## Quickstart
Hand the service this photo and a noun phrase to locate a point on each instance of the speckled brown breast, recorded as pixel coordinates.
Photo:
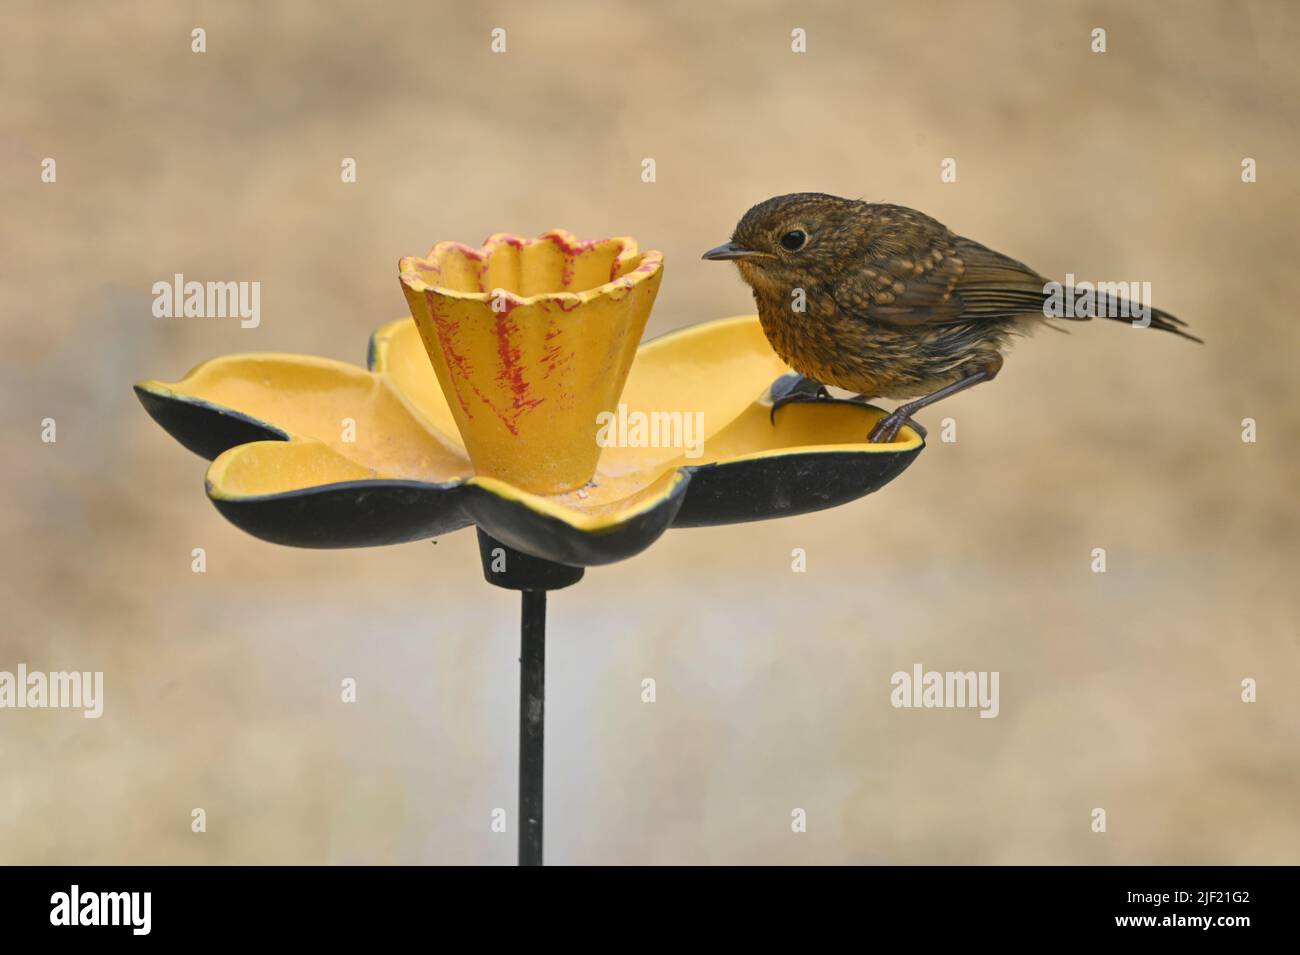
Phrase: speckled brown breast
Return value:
(880, 361)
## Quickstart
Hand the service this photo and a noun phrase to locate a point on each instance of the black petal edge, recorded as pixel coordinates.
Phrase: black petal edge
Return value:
(542, 535)
(783, 485)
(350, 513)
(206, 429)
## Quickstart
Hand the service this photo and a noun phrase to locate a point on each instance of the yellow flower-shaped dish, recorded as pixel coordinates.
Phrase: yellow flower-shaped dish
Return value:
(312, 452)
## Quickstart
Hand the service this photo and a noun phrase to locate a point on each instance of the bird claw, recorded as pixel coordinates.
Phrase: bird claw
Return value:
(887, 428)
(794, 389)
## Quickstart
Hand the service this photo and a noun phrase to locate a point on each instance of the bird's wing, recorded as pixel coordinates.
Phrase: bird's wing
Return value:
(937, 278)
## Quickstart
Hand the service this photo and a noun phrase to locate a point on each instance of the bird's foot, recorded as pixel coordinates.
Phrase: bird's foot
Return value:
(887, 428)
(795, 389)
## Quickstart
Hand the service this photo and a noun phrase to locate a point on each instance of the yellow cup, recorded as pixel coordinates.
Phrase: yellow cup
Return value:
(531, 339)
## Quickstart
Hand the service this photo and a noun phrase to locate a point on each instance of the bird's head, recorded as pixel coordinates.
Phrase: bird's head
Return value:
(795, 241)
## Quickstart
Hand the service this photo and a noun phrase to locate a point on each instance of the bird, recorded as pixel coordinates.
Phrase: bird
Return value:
(887, 302)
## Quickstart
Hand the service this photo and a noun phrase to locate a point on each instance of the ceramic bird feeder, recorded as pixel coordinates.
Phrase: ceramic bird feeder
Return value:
(517, 399)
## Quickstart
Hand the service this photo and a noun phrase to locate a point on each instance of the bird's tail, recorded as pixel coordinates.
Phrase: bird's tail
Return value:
(1121, 310)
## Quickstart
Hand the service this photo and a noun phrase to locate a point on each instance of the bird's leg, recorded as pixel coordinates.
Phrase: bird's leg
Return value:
(887, 428)
(794, 388)
(910, 422)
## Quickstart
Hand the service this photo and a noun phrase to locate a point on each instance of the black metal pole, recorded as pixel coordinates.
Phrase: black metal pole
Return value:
(532, 712)
(506, 567)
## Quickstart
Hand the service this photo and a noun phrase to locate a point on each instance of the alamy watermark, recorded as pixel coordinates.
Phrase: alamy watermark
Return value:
(57, 690)
(75, 907)
(181, 299)
(1098, 300)
(950, 689)
(651, 429)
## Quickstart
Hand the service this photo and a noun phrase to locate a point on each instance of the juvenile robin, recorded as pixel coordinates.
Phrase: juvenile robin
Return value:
(884, 301)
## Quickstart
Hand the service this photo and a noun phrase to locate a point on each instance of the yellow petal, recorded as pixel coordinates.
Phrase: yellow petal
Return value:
(397, 354)
(347, 409)
(274, 467)
(799, 429)
(301, 493)
(594, 512)
(717, 368)
(593, 534)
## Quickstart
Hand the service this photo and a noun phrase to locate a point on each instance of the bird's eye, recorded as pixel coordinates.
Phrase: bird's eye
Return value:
(793, 240)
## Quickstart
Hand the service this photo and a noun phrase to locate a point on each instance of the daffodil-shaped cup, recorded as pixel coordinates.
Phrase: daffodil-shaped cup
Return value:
(532, 340)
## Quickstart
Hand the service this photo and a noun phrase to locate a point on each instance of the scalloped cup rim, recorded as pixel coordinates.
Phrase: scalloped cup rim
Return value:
(650, 262)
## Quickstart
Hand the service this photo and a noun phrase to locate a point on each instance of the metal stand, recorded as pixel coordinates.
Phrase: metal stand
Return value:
(533, 577)
(532, 722)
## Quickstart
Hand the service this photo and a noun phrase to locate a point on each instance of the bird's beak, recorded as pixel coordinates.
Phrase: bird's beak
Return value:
(729, 251)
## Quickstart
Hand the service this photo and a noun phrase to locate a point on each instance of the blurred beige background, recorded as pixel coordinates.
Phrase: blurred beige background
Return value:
(1118, 691)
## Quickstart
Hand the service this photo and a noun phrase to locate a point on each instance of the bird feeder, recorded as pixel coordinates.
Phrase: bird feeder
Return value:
(518, 399)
